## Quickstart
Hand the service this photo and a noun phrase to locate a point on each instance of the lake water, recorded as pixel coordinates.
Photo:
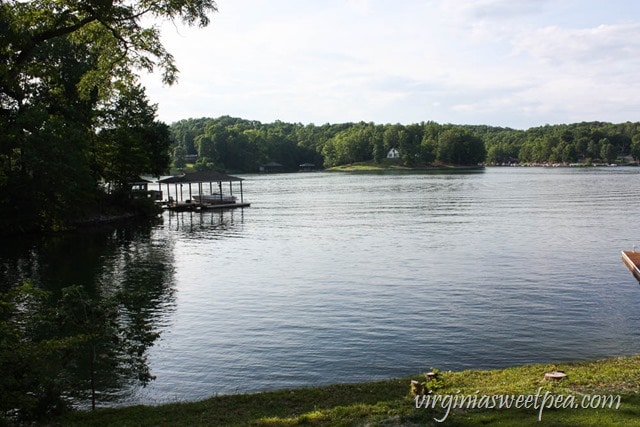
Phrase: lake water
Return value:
(332, 277)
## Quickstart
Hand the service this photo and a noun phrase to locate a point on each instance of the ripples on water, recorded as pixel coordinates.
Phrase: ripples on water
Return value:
(348, 277)
(332, 277)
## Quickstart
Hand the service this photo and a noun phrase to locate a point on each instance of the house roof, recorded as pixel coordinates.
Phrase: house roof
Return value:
(199, 177)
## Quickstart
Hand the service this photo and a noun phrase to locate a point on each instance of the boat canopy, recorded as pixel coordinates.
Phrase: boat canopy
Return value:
(198, 177)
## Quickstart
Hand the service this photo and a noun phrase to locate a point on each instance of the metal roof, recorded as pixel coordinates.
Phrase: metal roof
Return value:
(199, 177)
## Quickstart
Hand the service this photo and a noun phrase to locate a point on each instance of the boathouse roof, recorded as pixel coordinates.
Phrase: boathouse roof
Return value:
(194, 177)
(138, 180)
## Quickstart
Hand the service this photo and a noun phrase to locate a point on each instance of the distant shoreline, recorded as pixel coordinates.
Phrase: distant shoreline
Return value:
(367, 167)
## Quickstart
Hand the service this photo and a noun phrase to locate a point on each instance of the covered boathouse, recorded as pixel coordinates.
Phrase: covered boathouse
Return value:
(203, 194)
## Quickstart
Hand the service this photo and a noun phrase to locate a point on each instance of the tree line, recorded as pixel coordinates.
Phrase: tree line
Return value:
(237, 144)
(585, 142)
(243, 145)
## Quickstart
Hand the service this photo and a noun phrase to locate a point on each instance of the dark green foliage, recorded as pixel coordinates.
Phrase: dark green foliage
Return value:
(29, 359)
(110, 343)
(71, 111)
(178, 158)
(584, 142)
(460, 147)
(232, 144)
(78, 348)
(131, 142)
(243, 145)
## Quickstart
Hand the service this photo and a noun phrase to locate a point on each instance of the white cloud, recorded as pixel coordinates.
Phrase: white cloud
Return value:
(515, 63)
(560, 45)
(493, 9)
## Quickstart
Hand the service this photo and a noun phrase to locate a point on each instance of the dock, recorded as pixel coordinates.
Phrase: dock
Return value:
(194, 206)
(201, 200)
(632, 260)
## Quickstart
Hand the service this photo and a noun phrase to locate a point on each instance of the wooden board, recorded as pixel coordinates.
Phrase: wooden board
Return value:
(632, 260)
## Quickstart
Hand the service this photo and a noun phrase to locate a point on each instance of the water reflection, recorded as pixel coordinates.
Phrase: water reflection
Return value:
(201, 224)
(111, 289)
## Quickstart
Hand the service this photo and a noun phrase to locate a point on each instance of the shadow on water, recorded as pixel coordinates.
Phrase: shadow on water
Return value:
(113, 286)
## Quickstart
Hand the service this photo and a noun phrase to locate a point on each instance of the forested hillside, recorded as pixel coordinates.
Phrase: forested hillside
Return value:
(243, 145)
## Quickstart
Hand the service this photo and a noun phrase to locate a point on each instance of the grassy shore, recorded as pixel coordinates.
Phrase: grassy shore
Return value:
(395, 165)
(391, 403)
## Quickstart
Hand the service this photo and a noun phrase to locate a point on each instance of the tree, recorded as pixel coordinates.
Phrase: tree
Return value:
(130, 142)
(409, 143)
(607, 152)
(109, 347)
(378, 150)
(569, 153)
(593, 149)
(76, 347)
(30, 360)
(62, 64)
(459, 147)
(635, 147)
(391, 137)
(179, 153)
(580, 146)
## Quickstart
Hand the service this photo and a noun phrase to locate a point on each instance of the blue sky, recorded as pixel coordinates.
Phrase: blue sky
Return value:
(511, 63)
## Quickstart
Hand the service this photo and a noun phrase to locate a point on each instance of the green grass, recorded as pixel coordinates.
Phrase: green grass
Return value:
(189, 167)
(371, 165)
(393, 165)
(390, 403)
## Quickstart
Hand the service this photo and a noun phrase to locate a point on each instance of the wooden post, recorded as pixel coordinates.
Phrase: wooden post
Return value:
(241, 198)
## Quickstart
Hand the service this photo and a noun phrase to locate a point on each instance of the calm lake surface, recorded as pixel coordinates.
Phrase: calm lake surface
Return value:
(332, 277)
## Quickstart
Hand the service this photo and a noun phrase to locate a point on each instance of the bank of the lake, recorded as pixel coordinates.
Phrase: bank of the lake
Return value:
(394, 165)
(391, 403)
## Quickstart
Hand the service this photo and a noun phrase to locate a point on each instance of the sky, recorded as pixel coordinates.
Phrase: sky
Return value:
(509, 63)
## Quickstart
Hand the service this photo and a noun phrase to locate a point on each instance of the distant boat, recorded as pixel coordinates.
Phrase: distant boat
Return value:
(632, 260)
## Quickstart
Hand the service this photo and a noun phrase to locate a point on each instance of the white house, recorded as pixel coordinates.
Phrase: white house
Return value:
(393, 154)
